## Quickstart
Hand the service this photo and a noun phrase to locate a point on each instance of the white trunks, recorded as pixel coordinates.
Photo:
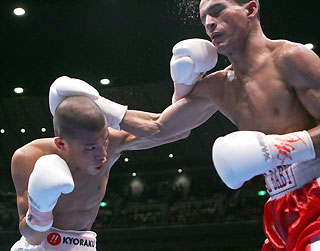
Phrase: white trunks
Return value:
(284, 179)
(63, 240)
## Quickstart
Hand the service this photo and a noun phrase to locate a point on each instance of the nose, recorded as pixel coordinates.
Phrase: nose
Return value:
(102, 154)
(210, 23)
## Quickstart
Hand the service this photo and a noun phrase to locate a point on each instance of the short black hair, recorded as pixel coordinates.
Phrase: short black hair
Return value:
(242, 2)
(77, 114)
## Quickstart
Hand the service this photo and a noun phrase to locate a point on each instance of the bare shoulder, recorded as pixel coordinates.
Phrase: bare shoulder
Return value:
(33, 150)
(290, 55)
(24, 158)
(299, 66)
(212, 85)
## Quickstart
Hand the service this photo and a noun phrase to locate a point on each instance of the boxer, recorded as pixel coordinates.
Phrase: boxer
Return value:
(61, 181)
(271, 92)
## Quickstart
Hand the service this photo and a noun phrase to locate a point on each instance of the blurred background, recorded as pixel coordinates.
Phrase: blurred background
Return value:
(167, 198)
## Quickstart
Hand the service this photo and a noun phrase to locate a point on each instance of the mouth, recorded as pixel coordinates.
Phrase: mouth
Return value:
(215, 36)
(100, 167)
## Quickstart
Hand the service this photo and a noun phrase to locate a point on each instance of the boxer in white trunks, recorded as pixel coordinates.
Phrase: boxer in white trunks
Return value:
(271, 91)
(61, 181)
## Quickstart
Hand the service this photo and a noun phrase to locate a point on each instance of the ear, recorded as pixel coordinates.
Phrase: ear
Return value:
(252, 8)
(60, 143)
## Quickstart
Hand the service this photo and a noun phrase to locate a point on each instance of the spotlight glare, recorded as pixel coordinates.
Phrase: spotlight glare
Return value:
(134, 174)
(170, 155)
(18, 90)
(19, 11)
(309, 46)
(2, 131)
(105, 81)
(126, 159)
(23, 130)
(43, 129)
(179, 170)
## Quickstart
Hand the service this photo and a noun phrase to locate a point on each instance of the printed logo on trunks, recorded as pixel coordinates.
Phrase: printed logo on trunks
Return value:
(280, 179)
(285, 146)
(54, 239)
(76, 242)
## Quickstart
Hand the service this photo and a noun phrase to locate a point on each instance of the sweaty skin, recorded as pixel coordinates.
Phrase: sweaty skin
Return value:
(77, 210)
(272, 86)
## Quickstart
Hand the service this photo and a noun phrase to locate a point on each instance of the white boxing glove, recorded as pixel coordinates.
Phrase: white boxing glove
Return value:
(64, 87)
(50, 178)
(192, 58)
(239, 156)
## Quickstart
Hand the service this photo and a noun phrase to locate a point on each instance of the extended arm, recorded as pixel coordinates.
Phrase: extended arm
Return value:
(176, 120)
(179, 118)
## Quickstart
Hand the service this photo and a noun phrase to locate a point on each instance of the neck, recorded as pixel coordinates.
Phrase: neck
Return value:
(247, 56)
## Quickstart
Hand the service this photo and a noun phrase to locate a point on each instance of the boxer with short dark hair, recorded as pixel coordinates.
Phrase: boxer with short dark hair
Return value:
(271, 91)
(61, 181)
(72, 117)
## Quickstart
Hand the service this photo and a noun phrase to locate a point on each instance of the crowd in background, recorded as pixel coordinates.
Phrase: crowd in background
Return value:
(205, 200)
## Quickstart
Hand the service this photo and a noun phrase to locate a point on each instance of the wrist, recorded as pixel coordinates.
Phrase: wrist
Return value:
(291, 148)
(39, 221)
(181, 91)
(113, 111)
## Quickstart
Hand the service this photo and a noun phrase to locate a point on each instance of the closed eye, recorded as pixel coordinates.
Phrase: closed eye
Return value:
(214, 11)
(89, 148)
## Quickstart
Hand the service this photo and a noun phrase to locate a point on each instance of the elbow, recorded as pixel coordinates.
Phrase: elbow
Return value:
(161, 133)
(32, 237)
(184, 135)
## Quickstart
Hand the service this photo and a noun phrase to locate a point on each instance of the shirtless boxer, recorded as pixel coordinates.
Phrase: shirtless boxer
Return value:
(271, 91)
(61, 181)
(271, 86)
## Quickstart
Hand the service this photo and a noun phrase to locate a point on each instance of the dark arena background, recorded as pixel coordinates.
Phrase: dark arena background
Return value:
(166, 198)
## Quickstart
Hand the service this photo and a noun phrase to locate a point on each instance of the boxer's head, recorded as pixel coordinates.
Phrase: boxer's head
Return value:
(229, 22)
(81, 133)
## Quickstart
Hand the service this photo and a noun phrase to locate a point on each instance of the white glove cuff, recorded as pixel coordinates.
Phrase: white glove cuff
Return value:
(291, 148)
(39, 221)
(113, 111)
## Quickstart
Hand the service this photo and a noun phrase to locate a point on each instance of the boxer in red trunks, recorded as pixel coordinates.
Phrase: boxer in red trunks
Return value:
(271, 91)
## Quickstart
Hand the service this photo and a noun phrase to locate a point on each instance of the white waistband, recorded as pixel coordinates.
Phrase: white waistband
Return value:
(74, 231)
(284, 179)
(61, 240)
(70, 240)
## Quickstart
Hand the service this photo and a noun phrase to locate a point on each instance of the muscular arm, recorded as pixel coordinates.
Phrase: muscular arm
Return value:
(21, 168)
(177, 119)
(132, 142)
(301, 69)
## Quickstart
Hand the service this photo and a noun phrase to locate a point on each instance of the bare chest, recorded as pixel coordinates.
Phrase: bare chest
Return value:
(86, 195)
(263, 103)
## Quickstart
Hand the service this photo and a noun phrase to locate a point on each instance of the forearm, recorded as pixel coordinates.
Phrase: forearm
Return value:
(176, 119)
(33, 237)
(140, 124)
(153, 126)
(140, 143)
(315, 137)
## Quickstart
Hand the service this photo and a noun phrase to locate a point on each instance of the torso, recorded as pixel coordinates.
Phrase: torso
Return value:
(77, 210)
(261, 100)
